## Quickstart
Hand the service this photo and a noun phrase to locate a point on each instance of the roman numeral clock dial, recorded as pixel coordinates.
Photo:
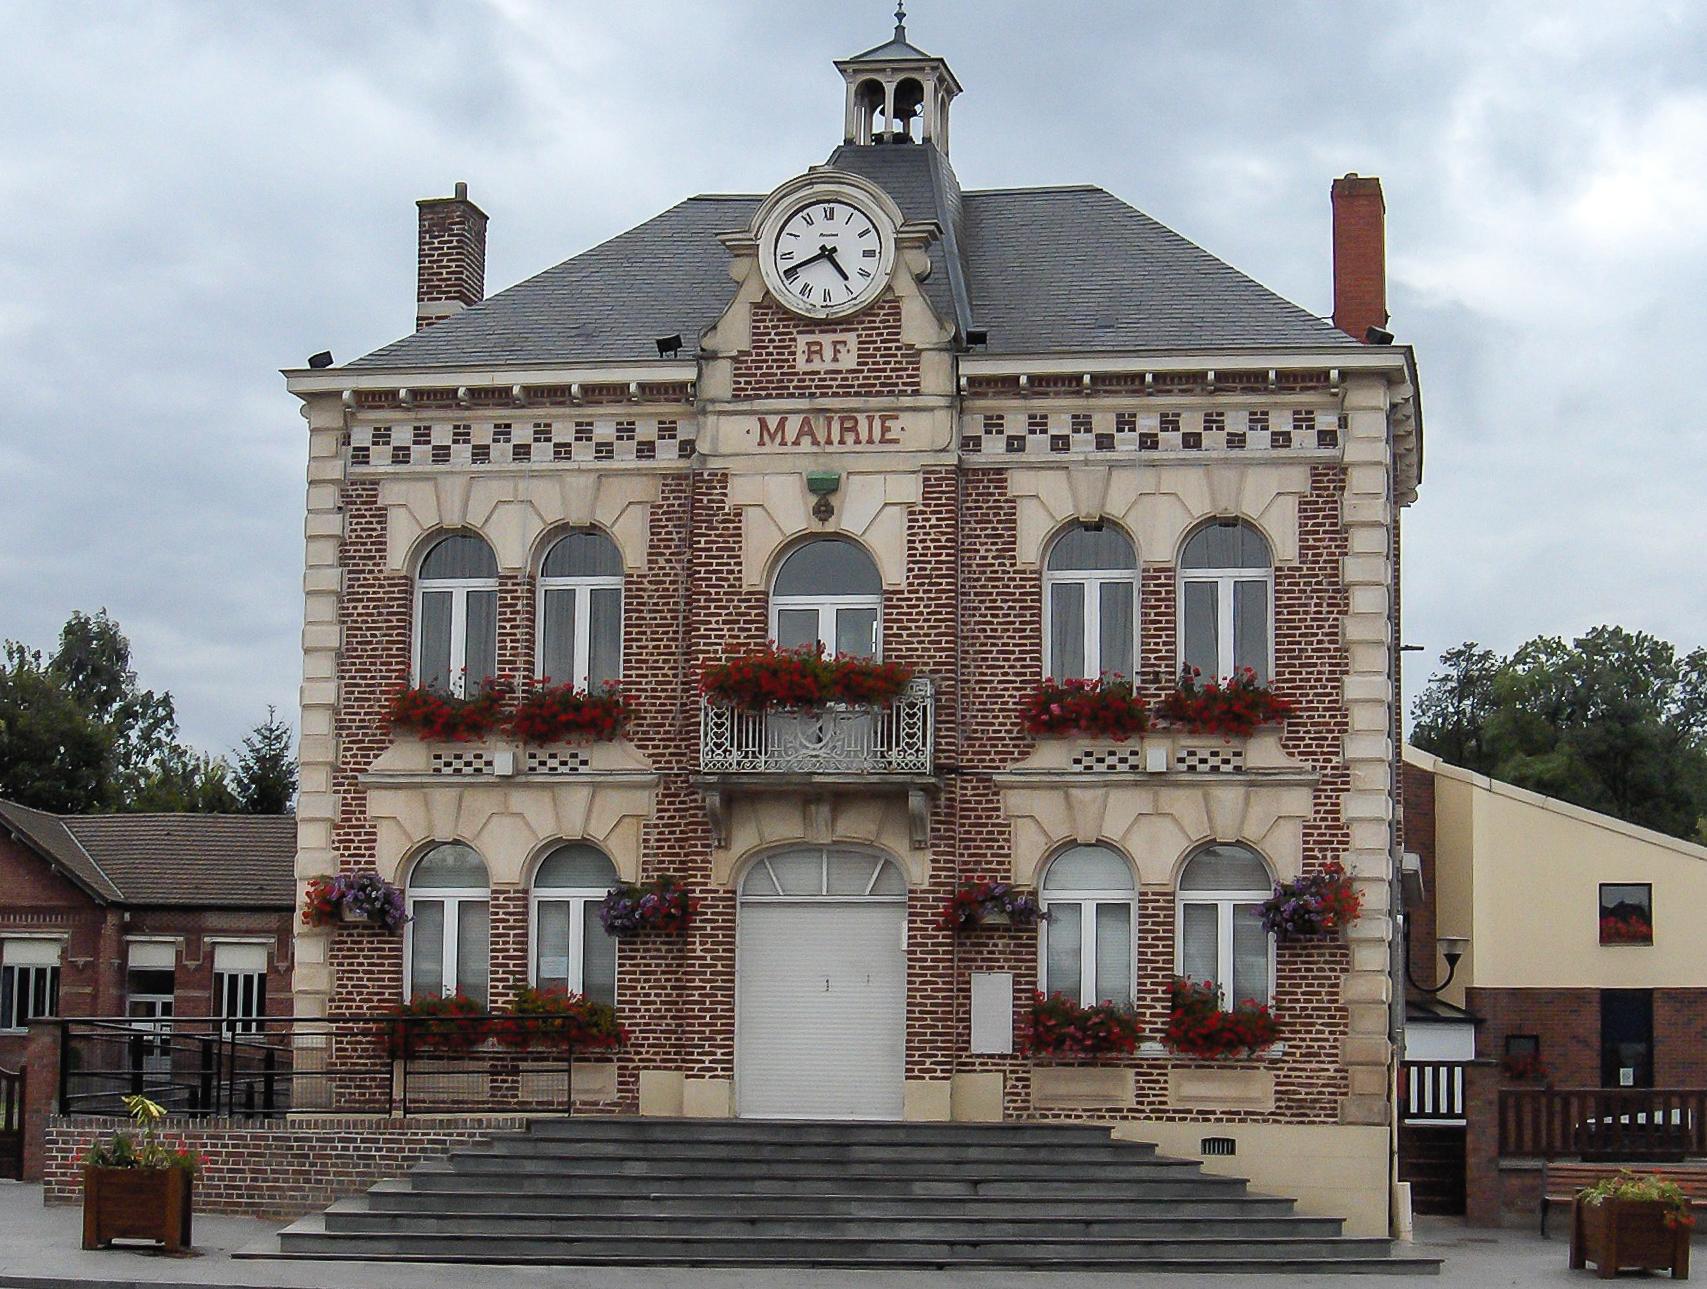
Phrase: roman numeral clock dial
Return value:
(827, 256)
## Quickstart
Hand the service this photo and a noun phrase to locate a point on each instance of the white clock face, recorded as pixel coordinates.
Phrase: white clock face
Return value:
(828, 257)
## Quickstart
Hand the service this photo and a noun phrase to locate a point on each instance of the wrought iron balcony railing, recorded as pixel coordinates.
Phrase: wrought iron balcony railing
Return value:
(898, 738)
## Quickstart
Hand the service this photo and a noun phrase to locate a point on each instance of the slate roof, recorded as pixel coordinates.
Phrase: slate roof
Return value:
(228, 861)
(1043, 270)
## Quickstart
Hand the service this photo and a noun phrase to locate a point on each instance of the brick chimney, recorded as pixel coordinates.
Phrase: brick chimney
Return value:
(451, 273)
(1360, 256)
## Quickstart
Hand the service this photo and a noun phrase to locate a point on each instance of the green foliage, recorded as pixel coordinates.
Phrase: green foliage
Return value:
(78, 735)
(127, 1150)
(265, 778)
(1615, 721)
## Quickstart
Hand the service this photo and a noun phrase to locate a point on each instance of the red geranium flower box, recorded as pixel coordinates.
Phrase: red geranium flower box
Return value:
(555, 713)
(1232, 707)
(1198, 1026)
(437, 717)
(1105, 707)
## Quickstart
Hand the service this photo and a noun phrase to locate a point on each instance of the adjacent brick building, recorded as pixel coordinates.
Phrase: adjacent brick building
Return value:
(992, 435)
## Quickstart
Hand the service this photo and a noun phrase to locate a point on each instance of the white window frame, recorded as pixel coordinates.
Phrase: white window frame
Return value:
(582, 588)
(22, 971)
(1092, 580)
(459, 589)
(1223, 580)
(1089, 900)
(827, 606)
(1223, 902)
(227, 986)
(453, 898)
(577, 898)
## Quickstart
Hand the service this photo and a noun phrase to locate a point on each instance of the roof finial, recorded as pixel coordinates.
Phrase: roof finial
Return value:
(900, 19)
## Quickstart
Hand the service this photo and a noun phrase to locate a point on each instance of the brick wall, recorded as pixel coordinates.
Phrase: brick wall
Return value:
(281, 1170)
(451, 264)
(887, 364)
(1420, 930)
(1567, 1021)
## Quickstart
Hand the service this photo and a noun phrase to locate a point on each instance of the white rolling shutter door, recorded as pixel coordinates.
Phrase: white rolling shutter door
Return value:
(821, 995)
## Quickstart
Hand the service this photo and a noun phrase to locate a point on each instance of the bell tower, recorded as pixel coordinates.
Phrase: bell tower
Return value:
(897, 93)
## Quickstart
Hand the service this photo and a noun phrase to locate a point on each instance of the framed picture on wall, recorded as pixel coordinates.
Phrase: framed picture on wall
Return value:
(1626, 913)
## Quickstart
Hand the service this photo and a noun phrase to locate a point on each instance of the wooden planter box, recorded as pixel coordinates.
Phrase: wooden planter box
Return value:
(1627, 1234)
(137, 1204)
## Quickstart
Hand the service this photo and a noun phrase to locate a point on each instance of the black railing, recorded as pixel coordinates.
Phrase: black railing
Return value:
(12, 1124)
(344, 1065)
(1635, 1124)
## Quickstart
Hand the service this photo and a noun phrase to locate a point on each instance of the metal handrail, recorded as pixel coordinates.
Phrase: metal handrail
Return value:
(839, 738)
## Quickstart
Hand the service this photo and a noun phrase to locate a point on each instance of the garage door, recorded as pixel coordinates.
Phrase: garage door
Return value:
(821, 987)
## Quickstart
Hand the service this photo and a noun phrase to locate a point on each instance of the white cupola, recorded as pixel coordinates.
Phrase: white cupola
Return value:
(897, 93)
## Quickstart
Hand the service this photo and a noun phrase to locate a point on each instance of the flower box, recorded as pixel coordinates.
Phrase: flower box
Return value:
(1198, 1026)
(1624, 1234)
(805, 678)
(137, 1204)
(1524, 1067)
(356, 899)
(1061, 1029)
(445, 1024)
(1319, 904)
(437, 717)
(1233, 707)
(1105, 707)
(1631, 928)
(663, 905)
(552, 1020)
(987, 903)
(560, 713)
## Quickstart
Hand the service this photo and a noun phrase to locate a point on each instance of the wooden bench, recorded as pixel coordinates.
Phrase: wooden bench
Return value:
(1561, 1182)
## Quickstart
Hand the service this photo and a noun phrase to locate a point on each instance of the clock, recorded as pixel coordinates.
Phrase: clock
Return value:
(827, 253)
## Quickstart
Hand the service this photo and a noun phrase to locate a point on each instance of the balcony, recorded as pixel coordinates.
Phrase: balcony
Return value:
(841, 745)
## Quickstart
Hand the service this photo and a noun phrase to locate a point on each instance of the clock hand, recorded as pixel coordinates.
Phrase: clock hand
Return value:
(823, 253)
(830, 254)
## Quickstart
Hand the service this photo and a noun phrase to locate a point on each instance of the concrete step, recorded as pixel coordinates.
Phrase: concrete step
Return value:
(443, 1177)
(595, 1204)
(530, 1145)
(819, 1250)
(1035, 1168)
(358, 1216)
(593, 1127)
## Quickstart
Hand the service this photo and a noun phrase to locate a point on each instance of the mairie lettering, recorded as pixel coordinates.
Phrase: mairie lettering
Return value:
(830, 430)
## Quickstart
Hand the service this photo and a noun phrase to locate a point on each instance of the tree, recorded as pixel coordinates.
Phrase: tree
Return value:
(265, 779)
(92, 666)
(1615, 721)
(53, 754)
(182, 780)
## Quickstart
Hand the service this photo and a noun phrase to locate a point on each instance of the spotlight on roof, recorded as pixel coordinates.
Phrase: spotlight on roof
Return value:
(977, 336)
(669, 346)
(1378, 336)
(321, 359)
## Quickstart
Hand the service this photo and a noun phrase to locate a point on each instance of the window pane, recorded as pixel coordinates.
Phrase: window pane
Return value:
(471, 944)
(1250, 627)
(557, 637)
(1116, 628)
(1067, 630)
(796, 628)
(1250, 956)
(576, 866)
(426, 962)
(1114, 953)
(461, 555)
(856, 632)
(551, 960)
(1225, 868)
(598, 960)
(828, 566)
(435, 639)
(604, 666)
(849, 874)
(1088, 868)
(799, 874)
(585, 553)
(482, 649)
(1202, 642)
(450, 866)
(1199, 941)
(1087, 548)
(1062, 946)
(1225, 545)
(8, 984)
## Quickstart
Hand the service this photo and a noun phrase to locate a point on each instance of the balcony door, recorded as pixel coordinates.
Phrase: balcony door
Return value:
(828, 593)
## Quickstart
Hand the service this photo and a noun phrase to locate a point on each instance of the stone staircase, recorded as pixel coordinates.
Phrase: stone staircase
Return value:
(881, 1195)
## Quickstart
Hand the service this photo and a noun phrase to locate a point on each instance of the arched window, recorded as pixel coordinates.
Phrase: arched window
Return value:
(1225, 582)
(824, 872)
(580, 611)
(1090, 897)
(449, 924)
(1090, 586)
(456, 615)
(571, 950)
(1221, 937)
(828, 592)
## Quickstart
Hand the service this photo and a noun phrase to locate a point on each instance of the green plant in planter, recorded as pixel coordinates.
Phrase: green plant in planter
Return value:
(125, 1150)
(1641, 1188)
(135, 1186)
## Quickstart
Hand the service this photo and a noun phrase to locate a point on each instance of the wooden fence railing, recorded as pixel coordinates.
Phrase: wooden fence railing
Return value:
(1652, 1124)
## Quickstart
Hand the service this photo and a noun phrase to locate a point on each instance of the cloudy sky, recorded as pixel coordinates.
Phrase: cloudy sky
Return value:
(194, 195)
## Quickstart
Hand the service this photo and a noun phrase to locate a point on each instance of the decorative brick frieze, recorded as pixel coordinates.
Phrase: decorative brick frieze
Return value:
(1149, 433)
(591, 437)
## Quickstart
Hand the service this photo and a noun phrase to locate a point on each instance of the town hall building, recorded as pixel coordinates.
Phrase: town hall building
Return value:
(1003, 439)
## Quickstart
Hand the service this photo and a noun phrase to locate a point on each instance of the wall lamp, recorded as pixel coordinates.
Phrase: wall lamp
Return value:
(1452, 948)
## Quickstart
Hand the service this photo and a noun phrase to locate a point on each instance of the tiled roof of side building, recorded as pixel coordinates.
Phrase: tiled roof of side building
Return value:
(1042, 270)
(48, 836)
(204, 860)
